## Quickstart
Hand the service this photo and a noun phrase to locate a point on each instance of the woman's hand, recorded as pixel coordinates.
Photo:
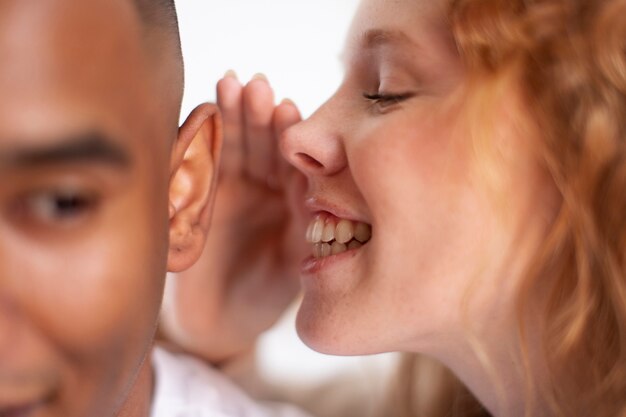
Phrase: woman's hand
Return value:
(248, 273)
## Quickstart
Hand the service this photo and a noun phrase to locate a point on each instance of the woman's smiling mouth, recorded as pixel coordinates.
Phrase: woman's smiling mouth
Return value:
(331, 235)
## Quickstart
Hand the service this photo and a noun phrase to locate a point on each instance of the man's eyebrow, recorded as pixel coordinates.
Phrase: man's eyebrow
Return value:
(86, 148)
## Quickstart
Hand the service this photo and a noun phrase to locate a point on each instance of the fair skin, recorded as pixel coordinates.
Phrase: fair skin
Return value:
(443, 244)
(391, 149)
(101, 194)
(248, 272)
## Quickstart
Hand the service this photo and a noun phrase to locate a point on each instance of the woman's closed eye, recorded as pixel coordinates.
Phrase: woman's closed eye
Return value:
(385, 101)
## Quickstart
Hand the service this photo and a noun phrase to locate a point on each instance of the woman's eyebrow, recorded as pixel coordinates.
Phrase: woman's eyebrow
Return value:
(86, 148)
(375, 38)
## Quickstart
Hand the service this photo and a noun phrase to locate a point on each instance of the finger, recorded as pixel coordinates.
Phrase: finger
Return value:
(230, 102)
(295, 192)
(286, 115)
(258, 109)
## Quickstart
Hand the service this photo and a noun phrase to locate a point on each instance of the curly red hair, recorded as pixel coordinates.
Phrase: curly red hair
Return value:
(569, 61)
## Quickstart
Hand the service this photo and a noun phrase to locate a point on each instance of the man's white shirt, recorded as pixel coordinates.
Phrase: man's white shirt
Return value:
(187, 387)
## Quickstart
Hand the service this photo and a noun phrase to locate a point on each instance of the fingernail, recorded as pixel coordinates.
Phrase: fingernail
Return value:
(230, 74)
(259, 76)
(288, 101)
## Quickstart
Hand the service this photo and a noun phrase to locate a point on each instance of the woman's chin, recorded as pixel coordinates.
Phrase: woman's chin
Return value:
(324, 330)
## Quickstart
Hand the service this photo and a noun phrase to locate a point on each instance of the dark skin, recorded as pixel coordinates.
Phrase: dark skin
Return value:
(100, 195)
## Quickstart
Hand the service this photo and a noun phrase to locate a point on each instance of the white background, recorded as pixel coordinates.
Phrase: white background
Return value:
(297, 44)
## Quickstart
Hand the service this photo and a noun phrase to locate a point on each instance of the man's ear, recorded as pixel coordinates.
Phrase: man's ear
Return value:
(193, 179)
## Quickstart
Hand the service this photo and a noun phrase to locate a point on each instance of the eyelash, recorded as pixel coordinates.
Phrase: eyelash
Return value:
(56, 208)
(384, 100)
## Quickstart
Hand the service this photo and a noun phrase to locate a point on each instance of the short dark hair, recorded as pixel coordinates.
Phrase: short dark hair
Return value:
(162, 38)
(160, 15)
(159, 12)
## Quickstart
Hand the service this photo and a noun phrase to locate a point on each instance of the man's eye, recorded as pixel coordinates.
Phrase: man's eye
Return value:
(384, 101)
(57, 207)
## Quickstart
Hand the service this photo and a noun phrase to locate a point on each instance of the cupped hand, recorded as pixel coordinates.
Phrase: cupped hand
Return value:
(248, 273)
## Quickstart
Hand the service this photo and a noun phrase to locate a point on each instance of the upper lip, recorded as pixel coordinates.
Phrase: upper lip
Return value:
(315, 204)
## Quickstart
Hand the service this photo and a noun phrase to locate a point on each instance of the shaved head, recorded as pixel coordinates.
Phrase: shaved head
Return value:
(163, 41)
(89, 121)
(161, 13)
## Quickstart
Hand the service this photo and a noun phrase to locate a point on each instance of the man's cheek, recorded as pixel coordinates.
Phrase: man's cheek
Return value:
(96, 295)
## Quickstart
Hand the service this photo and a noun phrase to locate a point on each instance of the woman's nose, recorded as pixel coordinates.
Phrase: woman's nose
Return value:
(315, 146)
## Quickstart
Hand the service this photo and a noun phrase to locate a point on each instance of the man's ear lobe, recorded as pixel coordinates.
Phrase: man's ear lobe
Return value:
(193, 179)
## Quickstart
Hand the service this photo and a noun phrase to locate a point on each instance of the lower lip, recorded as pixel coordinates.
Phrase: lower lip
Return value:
(312, 265)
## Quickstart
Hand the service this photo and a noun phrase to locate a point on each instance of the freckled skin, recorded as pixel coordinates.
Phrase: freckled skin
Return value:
(456, 218)
(408, 168)
(80, 291)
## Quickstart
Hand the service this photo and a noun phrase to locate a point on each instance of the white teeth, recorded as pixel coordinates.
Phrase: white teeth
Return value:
(338, 248)
(317, 230)
(354, 245)
(309, 233)
(317, 250)
(329, 231)
(321, 250)
(326, 250)
(362, 232)
(332, 236)
(345, 231)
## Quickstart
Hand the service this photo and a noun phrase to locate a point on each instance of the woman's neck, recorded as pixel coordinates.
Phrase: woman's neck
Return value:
(505, 371)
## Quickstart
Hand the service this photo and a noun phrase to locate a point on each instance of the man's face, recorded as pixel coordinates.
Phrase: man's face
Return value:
(84, 157)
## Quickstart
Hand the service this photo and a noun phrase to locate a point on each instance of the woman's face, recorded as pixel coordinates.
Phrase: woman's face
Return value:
(394, 190)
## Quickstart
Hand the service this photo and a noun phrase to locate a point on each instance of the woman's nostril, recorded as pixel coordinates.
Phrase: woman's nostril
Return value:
(309, 161)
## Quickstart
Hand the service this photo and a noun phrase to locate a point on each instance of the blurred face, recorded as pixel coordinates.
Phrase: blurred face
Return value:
(83, 206)
(403, 226)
